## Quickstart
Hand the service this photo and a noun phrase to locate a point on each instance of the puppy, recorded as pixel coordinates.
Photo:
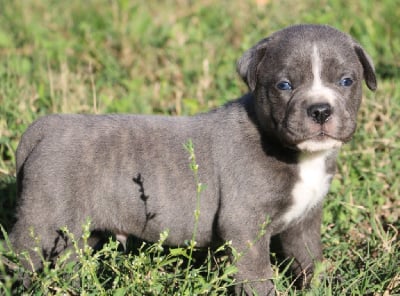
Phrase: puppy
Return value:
(269, 155)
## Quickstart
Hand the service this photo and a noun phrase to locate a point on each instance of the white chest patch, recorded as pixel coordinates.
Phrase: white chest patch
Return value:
(312, 186)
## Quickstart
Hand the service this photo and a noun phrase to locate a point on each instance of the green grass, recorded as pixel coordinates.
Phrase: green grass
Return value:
(178, 58)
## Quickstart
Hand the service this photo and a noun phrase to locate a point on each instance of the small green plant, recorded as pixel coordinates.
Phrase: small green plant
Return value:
(153, 270)
(194, 167)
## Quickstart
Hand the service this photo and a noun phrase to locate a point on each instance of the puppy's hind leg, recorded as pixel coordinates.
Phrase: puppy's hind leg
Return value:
(38, 243)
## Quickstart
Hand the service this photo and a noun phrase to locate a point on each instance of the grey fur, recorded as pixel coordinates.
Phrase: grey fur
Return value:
(130, 173)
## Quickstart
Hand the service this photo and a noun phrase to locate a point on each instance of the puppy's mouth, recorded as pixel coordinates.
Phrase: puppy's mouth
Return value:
(319, 140)
(305, 135)
(321, 135)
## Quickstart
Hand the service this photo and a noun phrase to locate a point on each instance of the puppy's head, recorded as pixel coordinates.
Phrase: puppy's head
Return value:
(307, 82)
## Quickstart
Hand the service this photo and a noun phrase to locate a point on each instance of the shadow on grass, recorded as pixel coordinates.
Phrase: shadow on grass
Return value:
(8, 189)
(386, 71)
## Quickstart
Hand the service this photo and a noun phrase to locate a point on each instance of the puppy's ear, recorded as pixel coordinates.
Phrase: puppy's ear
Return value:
(247, 65)
(368, 66)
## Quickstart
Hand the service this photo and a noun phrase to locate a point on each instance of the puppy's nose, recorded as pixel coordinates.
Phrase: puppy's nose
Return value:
(320, 113)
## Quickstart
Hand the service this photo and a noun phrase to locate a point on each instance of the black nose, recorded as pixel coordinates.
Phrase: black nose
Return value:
(320, 113)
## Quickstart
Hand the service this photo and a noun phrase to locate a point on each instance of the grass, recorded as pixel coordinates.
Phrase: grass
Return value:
(177, 58)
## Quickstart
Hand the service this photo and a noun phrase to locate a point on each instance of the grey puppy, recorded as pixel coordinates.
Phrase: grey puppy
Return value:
(267, 155)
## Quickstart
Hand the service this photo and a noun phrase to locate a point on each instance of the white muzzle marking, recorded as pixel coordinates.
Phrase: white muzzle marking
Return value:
(319, 93)
(318, 90)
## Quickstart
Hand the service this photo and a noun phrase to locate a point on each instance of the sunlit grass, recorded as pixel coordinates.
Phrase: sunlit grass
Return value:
(178, 58)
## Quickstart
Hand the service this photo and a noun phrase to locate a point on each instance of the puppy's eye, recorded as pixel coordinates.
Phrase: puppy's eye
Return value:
(346, 82)
(284, 85)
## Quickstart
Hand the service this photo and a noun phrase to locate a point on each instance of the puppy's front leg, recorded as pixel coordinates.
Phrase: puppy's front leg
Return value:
(302, 242)
(255, 273)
